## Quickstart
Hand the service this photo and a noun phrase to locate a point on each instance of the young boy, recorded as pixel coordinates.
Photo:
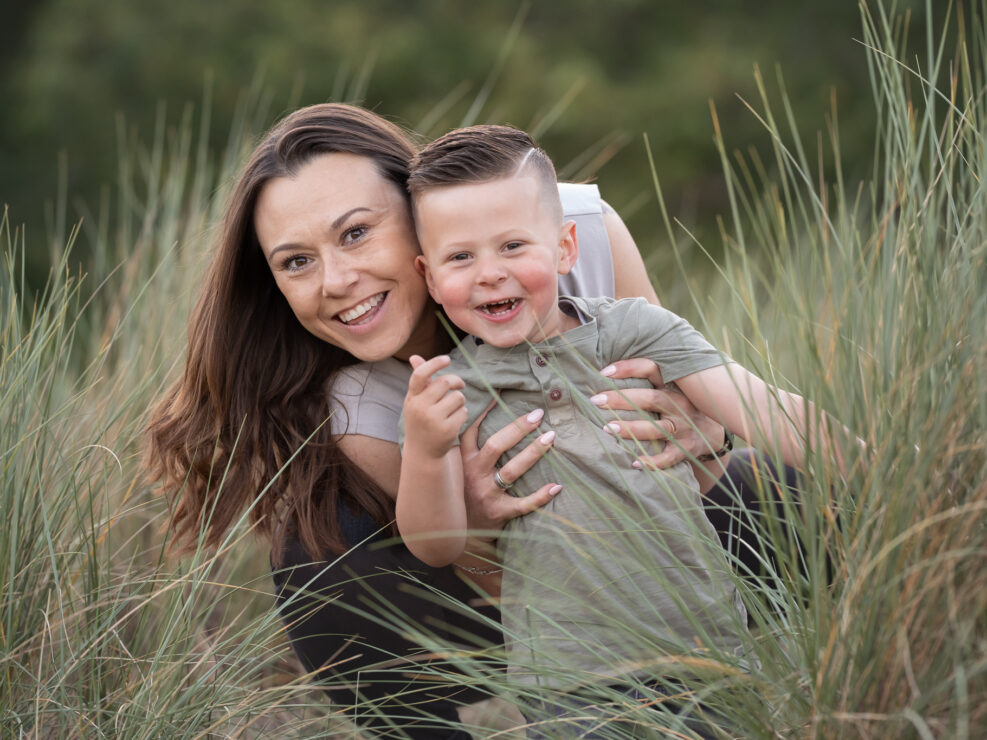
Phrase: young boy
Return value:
(580, 599)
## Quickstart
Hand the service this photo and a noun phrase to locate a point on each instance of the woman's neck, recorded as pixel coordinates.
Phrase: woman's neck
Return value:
(429, 337)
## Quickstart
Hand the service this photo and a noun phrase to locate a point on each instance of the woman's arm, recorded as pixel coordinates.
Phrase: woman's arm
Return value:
(630, 276)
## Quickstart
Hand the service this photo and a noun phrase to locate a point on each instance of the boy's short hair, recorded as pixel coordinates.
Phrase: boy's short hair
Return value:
(479, 154)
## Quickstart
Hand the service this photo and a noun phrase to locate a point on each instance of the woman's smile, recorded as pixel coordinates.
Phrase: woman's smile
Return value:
(363, 313)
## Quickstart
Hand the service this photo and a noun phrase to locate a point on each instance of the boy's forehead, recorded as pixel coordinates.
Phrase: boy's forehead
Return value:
(524, 194)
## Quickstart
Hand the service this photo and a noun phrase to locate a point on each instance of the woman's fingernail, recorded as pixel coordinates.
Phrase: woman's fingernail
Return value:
(535, 416)
(637, 464)
(611, 428)
(608, 370)
(599, 399)
(547, 438)
(554, 489)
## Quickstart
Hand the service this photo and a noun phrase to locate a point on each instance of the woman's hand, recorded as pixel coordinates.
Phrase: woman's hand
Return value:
(489, 507)
(694, 433)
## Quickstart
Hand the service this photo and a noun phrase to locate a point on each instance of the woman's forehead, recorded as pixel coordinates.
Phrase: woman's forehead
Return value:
(322, 191)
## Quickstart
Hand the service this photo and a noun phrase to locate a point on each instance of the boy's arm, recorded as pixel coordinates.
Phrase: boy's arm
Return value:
(766, 416)
(430, 490)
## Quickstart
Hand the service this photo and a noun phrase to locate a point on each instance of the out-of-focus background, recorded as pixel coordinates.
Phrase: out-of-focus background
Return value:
(589, 78)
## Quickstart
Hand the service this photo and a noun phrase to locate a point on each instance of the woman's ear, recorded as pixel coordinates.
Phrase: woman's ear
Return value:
(421, 264)
(568, 247)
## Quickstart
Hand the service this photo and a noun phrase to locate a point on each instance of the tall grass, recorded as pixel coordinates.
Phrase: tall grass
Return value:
(868, 298)
(101, 635)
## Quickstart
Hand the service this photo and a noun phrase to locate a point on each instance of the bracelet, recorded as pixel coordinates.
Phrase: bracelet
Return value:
(727, 446)
(477, 571)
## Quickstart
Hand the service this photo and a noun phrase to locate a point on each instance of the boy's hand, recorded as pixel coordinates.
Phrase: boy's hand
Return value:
(434, 409)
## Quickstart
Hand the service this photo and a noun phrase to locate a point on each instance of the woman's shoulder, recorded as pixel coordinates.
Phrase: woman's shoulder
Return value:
(580, 199)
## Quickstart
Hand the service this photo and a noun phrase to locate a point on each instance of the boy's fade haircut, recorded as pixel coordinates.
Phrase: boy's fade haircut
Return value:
(482, 153)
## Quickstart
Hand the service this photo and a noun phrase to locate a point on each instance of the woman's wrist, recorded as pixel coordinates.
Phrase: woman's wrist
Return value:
(721, 452)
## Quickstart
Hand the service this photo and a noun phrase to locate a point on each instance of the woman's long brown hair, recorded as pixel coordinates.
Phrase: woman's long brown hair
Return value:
(246, 426)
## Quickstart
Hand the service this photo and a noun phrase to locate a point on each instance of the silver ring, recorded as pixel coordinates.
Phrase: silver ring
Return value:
(501, 483)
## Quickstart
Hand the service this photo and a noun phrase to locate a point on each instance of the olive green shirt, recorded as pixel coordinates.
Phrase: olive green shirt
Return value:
(621, 569)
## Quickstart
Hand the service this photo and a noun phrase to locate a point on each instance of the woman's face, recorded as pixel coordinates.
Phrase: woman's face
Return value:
(340, 243)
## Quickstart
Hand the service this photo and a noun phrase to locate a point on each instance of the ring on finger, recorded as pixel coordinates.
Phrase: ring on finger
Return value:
(672, 429)
(501, 483)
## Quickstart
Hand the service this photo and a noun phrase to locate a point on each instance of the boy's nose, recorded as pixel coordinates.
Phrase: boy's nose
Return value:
(490, 272)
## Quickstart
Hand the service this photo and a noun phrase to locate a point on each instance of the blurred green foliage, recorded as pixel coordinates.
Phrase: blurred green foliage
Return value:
(590, 78)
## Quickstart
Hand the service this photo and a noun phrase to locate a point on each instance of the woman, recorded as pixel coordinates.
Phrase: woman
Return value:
(309, 309)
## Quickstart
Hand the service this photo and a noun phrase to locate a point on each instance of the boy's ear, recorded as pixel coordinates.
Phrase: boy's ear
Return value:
(421, 264)
(568, 247)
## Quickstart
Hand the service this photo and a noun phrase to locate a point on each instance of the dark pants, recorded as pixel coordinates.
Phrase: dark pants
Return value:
(344, 616)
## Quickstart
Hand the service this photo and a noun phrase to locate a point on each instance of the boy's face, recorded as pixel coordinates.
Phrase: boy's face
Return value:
(492, 254)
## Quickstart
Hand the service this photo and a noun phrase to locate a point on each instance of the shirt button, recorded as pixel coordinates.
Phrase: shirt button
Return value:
(555, 394)
(540, 361)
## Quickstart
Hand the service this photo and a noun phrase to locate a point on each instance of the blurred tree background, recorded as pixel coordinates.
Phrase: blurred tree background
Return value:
(589, 78)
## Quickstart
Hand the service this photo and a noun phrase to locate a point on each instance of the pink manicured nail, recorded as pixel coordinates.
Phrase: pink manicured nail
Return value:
(611, 428)
(547, 438)
(599, 399)
(608, 371)
(554, 490)
(637, 464)
(535, 416)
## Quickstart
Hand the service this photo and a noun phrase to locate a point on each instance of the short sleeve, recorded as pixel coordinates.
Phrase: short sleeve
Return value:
(367, 399)
(632, 327)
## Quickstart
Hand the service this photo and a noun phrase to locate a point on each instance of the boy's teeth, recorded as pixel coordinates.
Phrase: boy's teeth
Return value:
(357, 311)
(500, 306)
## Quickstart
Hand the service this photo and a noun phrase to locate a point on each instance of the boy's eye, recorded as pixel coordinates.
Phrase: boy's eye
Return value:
(459, 257)
(512, 245)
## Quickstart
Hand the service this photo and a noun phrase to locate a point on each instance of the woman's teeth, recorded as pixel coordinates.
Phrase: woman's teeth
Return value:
(497, 307)
(355, 313)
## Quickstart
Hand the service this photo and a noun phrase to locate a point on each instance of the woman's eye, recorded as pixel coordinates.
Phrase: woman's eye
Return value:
(354, 234)
(294, 263)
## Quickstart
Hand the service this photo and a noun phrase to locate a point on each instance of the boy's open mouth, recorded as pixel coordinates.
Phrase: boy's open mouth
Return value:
(500, 307)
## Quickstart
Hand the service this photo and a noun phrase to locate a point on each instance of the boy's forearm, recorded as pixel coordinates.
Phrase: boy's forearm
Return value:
(767, 417)
(430, 500)
(813, 429)
(797, 427)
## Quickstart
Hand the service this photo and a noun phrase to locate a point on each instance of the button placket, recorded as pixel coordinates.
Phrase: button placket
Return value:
(552, 386)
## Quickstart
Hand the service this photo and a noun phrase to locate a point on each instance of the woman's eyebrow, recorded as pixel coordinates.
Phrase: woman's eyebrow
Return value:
(332, 227)
(342, 219)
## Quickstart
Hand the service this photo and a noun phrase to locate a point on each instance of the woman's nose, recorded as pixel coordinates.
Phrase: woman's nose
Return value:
(338, 276)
